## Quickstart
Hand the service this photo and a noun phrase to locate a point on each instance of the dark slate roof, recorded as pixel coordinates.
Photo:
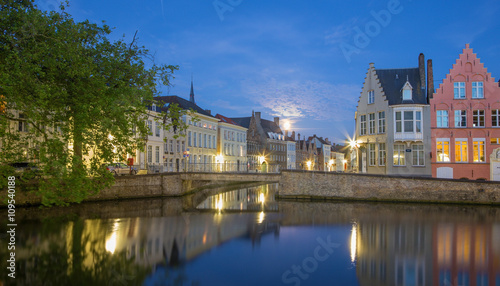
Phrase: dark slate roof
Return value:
(242, 121)
(226, 119)
(183, 103)
(392, 85)
(270, 126)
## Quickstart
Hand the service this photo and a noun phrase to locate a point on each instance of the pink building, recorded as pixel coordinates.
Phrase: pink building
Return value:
(465, 120)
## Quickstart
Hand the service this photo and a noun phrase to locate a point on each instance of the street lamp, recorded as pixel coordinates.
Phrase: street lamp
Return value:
(309, 163)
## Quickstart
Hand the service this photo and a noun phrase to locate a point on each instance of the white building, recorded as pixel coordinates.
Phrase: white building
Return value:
(231, 146)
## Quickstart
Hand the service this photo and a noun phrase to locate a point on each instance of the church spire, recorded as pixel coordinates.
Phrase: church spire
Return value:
(191, 95)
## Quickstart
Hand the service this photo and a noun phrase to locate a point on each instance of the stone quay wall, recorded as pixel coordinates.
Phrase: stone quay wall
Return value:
(344, 186)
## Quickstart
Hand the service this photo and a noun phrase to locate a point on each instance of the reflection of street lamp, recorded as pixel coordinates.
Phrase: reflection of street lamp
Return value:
(219, 159)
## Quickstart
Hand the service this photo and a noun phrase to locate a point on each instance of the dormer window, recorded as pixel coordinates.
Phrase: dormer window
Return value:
(407, 91)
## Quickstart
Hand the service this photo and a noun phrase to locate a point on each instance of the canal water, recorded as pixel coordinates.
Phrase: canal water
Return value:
(246, 237)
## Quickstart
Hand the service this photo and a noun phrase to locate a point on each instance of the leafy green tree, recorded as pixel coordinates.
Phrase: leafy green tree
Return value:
(71, 99)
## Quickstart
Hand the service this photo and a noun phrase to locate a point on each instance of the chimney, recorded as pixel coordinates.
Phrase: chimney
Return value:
(430, 81)
(257, 116)
(286, 133)
(277, 121)
(421, 70)
(327, 141)
(298, 135)
(293, 135)
(208, 111)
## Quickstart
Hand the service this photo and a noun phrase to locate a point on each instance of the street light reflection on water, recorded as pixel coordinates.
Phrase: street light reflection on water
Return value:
(252, 230)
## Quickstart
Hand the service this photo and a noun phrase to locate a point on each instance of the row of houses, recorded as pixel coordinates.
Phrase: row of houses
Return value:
(236, 144)
(406, 127)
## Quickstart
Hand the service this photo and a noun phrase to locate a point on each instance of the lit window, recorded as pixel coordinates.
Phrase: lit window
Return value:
(399, 154)
(460, 118)
(442, 118)
(495, 140)
(478, 148)
(477, 89)
(443, 150)
(371, 97)
(459, 90)
(460, 150)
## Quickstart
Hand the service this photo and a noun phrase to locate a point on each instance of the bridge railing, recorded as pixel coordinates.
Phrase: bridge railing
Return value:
(153, 168)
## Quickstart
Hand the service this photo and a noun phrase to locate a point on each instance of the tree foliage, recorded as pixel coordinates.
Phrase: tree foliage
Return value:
(81, 96)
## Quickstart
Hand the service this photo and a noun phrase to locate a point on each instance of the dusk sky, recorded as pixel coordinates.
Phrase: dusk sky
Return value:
(304, 61)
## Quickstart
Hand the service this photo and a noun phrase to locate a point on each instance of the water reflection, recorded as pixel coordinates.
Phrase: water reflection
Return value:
(246, 237)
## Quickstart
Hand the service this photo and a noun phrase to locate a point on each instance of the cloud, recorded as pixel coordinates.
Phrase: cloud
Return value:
(311, 99)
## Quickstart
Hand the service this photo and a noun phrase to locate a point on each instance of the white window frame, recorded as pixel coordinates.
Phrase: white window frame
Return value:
(371, 123)
(157, 154)
(479, 118)
(495, 118)
(371, 96)
(400, 153)
(381, 154)
(459, 90)
(442, 145)
(362, 125)
(464, 156)
(381, 122)
(372, 154)
(442, 118)
(477, 89)
(420, 154)
(475, 145)
(460, 115)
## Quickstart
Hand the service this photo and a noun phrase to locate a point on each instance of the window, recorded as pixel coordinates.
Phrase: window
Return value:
(150, 127)
(371, 118)
(213, 142)
(362, 125)
(189, 138)
(23, 125)
(372, 154)
(460, 118)
(443, 150)
(204, 140)
(408, 121)
(478, 147)
(407, 93)
(209, 141)
(183, 146)
(495, 118)
(495, 140)
(157, 129)
(381, 122)
(459, 90)
(371, 97)
(150, 154)
(171, 146)
(478, 118)
(460, 150)
(381, 154)
(477, 89)
(418, 154)
(399, 154)
(157, 154)
(194, 139)
(442, 118)
(178, 146)
(199, 139)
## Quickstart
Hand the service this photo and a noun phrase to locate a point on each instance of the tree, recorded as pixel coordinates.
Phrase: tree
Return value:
(71, 98)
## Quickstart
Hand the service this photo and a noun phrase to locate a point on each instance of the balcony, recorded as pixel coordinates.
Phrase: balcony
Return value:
(408, 136)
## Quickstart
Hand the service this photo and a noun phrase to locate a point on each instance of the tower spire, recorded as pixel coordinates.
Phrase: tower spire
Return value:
(191, 94)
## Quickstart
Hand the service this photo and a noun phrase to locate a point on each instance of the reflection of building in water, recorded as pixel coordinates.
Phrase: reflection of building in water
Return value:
(466, 254)
(411, 253)
(261, 198)
(394, 253)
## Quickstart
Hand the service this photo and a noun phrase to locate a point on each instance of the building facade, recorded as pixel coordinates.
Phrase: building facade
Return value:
(231, 146)
(465, 121)
(393, 123)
